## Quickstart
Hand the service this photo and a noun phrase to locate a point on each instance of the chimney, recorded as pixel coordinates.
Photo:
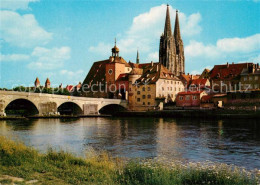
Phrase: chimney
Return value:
(188, 73)
(157, 67)
(233, 63)
(151, 63)
(227, 65)
(257, 65)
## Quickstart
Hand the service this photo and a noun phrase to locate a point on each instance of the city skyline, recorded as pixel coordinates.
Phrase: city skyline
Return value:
(62, 40)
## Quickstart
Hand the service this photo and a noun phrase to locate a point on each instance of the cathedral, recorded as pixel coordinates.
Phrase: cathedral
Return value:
(171, 51)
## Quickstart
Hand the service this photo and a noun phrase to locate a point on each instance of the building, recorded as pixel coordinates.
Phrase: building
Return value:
(37, 83)
(47, 84)
(187, 79)
(171, 50)
(250, 78)
(151, 84)
(227, 77)
(102, 77)
(199, 84)
(205, 74)
(189, 98)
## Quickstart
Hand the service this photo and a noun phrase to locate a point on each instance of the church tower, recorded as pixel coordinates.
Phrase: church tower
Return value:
(171, 50)
(167, 51)
(180, 62)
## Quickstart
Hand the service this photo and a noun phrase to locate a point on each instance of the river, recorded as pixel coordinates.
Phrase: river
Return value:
(226, 141)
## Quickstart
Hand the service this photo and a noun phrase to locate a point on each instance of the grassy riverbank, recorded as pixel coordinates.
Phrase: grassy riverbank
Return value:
(25, 165)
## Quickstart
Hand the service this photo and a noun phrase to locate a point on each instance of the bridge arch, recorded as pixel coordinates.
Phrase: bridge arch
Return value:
(69, 108)
(22, 107)
(111, 108)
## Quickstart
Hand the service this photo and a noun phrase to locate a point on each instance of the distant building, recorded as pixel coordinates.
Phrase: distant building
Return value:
(187, 79)
(171, 49)
(190, 98)
(227, 77)
(205, 74)
(101, 79)
(250, 78)
(199, 84)
(37, 83)
(151, 85)
(47, 83)
(70, 88)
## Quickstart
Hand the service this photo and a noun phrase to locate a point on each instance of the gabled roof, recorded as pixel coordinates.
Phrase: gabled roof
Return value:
(199, 82)
(69, 87)
(228, 71)
(152, 72)
(97, 73)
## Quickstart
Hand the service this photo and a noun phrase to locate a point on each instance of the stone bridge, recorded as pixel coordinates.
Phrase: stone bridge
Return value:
(48, 104)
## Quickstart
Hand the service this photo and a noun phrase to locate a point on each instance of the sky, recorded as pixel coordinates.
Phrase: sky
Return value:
(60, 39)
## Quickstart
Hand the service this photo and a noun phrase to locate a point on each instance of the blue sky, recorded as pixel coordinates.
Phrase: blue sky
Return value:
(60, 39)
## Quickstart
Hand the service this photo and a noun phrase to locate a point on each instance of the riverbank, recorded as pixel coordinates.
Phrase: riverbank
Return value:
(21, 164)
(193, 113)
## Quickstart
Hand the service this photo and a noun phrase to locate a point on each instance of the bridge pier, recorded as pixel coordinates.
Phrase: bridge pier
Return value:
(90, 109)
(2, 108)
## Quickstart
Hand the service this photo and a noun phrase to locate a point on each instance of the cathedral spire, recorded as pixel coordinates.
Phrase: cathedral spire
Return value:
(137, 57)
(168, 26)
(177, 33)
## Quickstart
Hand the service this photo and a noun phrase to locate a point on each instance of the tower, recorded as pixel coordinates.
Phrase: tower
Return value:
(167, 49)
(171, 50)
(115, 50)
(37, 82)
(180, 69)
(137, 57)
(47, 83)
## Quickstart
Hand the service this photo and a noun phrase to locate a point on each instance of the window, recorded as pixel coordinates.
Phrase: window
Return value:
(187, 97)
(167, 82)
(148, 88)
(171, 82)
(172, 95)
(256, 77)
(149, 96)
(163, 88)
(138, 99)
(179, 89)
(143, 88)
(171, 88)
(143, 103)
(250, 78)
(168, 88)
(148, 103)
(181, 98)
(245, 78)
(256, 86)
(138, 92)
(194, 97)
(143, 96)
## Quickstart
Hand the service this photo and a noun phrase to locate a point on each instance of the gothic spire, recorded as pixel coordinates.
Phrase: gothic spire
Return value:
(168, 26)
(177, 33)
(137, 57)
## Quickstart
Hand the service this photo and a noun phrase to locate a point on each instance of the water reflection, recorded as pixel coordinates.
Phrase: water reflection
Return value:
(228, 141)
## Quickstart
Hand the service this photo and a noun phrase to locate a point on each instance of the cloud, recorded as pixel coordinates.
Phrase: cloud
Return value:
(146, 29)
(49, 58)
(153, 56)
(16, 4)
(101, 48)
(22, 30)
(224, 47)
(14, 57)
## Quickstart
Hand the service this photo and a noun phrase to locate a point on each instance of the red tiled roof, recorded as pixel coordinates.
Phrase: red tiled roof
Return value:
(69, 87)
(155, 71)
(123, 77)
(37, 81)
(199, 82)
(228, 71)
(206, 98)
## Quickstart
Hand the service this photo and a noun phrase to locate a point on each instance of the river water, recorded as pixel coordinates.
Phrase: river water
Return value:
(226, 141)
